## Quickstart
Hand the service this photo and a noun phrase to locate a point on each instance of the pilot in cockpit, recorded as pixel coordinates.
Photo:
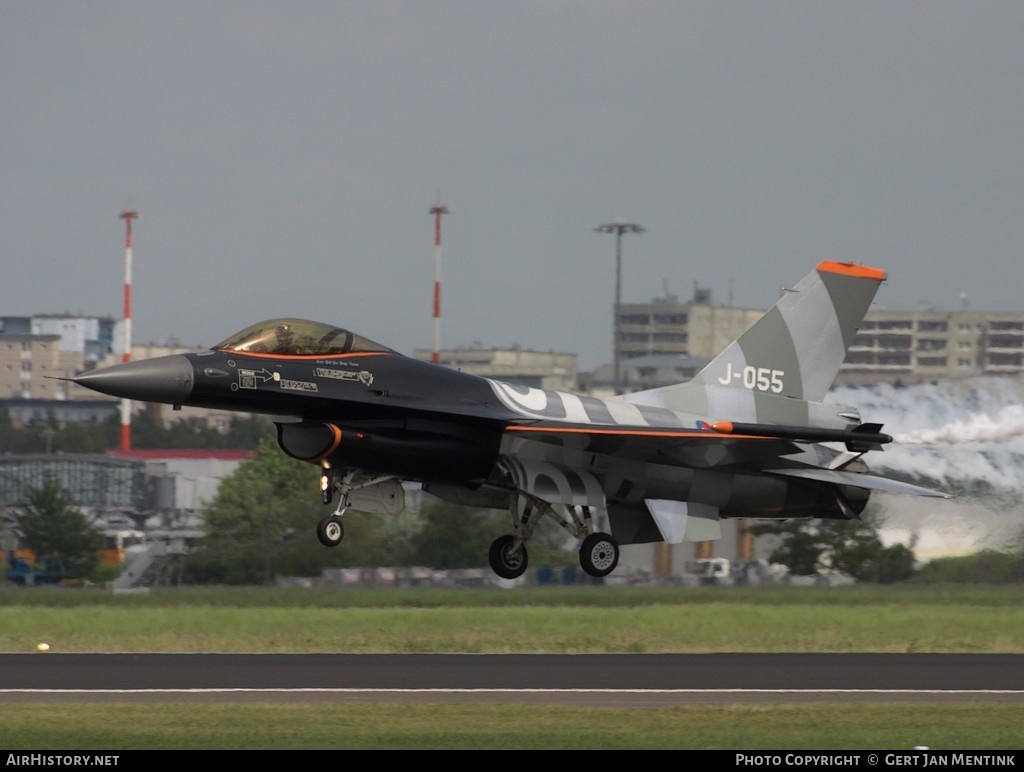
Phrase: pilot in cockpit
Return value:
(305, 345)
(285, 340)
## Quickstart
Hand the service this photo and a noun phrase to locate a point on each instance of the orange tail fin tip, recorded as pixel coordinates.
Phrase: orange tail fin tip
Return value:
(852, 269)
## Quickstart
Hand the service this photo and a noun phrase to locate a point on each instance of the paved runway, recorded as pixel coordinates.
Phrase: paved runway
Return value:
(620, 680)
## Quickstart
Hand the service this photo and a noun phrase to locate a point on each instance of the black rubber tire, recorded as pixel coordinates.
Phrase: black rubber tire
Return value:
(330, 531)
(504, 562)
(599, 554)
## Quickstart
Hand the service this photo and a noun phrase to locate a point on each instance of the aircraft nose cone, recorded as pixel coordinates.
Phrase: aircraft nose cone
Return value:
(161, 379)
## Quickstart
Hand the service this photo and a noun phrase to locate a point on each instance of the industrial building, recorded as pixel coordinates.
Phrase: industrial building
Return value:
(155, 494)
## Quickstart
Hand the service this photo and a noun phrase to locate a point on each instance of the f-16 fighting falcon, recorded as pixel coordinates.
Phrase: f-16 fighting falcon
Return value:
(750, 436)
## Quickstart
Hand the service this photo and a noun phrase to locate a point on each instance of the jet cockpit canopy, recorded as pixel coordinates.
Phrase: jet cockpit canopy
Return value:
(299, 337)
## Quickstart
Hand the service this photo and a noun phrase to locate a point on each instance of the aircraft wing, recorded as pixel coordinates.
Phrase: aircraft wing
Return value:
(692, 448)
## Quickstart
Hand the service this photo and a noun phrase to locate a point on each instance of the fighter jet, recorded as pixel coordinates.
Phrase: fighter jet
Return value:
(750, 436)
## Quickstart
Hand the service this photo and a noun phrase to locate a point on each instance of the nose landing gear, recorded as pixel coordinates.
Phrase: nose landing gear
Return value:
(330, 530)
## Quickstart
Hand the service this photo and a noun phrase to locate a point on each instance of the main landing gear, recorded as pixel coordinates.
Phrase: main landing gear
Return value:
(599, 552)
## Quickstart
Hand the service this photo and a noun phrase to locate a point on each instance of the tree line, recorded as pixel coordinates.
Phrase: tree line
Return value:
(48, 435)
(261, 526)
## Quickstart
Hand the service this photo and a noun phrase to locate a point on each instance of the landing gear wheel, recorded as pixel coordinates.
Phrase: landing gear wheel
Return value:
(330, 531)
(505, 562)
(599, 554)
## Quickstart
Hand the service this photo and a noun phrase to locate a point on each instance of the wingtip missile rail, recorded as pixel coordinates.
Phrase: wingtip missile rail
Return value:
(861, 438)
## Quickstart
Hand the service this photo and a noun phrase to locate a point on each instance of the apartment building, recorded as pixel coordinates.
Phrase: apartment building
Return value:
(927, 345)
(539, 369)
(892, 346)
(37, 351)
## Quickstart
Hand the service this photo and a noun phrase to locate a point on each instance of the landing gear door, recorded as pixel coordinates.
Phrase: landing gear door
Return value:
(384, 498)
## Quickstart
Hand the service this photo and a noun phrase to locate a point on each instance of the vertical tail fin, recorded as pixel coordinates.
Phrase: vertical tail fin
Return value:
(797, 347)
(794, 351)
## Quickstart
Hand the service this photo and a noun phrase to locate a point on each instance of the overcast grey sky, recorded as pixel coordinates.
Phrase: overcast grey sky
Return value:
(284, 156)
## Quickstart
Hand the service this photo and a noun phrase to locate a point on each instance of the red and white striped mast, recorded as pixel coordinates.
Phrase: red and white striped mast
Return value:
(126, 405)
(437, 211)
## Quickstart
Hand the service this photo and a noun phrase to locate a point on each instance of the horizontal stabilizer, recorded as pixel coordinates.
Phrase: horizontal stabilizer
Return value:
(859, 480)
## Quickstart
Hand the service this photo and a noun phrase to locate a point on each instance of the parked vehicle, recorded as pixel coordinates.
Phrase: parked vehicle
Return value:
(49, 569)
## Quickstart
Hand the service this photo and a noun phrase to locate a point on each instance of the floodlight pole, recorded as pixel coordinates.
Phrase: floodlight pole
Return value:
(618, 228)
(437, 211)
